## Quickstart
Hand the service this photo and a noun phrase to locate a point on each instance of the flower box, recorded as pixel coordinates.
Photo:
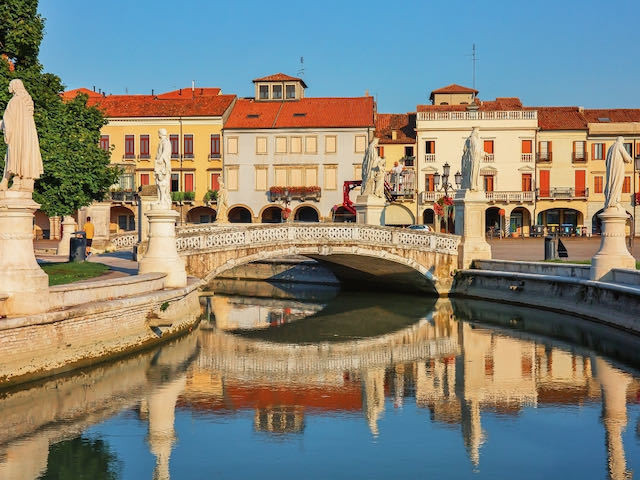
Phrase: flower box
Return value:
(295, 193)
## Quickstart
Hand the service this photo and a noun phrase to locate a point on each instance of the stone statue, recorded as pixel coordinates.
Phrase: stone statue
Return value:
(471, 158)
(221, 203)
(23, 162)
(378, 190)
(369, 163)
(162, 171)
(617, 156)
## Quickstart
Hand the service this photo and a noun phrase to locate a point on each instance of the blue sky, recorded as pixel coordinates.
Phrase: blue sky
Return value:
(546, 52)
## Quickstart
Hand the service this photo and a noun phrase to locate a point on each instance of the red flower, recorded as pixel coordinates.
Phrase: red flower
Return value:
(447, 201)
(437, 208)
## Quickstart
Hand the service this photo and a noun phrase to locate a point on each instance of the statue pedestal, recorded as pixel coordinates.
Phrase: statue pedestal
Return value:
(162, 255)
(68, 227)
(470, 224)
(369, 209)
(613, 251)
(22, 282)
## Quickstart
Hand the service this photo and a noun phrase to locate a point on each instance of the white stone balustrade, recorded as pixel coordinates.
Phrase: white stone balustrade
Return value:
(480, 115)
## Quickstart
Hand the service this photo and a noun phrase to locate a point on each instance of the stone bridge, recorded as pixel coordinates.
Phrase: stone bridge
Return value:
(378, 257)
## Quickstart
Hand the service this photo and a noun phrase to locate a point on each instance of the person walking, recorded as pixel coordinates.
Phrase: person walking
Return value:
(89, 231)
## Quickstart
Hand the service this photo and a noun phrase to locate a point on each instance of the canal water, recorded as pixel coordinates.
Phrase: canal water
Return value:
(290, 381)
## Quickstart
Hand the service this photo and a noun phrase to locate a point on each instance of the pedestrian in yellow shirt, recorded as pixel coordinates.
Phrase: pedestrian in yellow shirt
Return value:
(88, 230)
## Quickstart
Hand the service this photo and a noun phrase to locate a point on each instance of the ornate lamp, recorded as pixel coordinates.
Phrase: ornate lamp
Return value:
(445, 170)
(436, 180)
(458, 178)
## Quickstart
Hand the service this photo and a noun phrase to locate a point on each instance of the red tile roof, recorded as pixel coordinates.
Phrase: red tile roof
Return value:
(71, 94)
(403, 123)
(454, 88)
(304, 113)
(188, 92)
(279, 77)
(613, 114)
(560, 118)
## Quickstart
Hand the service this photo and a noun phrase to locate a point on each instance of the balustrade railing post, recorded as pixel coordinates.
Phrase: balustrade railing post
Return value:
(291, 232)
(433, 242)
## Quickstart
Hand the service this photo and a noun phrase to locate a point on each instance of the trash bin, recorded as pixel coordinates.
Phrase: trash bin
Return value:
(78, 247)
(549, 248)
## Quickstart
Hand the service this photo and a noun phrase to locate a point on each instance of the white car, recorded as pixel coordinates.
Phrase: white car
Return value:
(425, 228)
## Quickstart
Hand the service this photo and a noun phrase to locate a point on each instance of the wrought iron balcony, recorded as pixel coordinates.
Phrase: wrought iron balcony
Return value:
(122, 196)
(544, 157)
(579, 157)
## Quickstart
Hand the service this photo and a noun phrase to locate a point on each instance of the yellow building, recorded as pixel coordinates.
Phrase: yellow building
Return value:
(193, 118)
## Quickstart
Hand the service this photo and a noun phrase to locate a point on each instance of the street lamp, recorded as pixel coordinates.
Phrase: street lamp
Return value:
(446, 186)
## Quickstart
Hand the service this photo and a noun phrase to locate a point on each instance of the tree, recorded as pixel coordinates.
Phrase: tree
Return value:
(76, 171)
(82, 458)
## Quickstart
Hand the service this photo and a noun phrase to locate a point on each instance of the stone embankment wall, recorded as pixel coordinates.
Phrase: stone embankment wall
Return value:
(557, 287)
(102, 326)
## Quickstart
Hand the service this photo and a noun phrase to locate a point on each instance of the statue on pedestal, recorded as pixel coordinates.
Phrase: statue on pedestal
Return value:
(162, 171)
(617, 156)
(221, 203)
(23, 162)
(372, 172)
(471, 157)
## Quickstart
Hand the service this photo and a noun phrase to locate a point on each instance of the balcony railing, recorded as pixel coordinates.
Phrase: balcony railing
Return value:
(562, 193)
(488, 157)
(429, 197)
(401, 184)
(429, 157)
(214, 156)
(477, 115)
(527, 157)
(122, 196)
(510, 197)
(544, 157)
(579, 157)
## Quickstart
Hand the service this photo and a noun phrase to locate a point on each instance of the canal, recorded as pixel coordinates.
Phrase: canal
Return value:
(301, 381)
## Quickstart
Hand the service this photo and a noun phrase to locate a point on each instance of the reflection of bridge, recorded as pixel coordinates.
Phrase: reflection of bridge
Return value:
(379, 256)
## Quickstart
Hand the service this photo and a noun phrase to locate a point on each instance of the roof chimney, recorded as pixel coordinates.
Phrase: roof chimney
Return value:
(94, 88)
(366, 93)
(152, 92)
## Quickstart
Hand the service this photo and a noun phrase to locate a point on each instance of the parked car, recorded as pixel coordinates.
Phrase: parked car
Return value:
(425, 228)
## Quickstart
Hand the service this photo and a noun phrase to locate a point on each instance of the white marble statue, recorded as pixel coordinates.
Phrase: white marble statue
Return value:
(23, 162)
(221, 204)
(378, 189)
(617, 156)
(162, 171)
(372, 172)
(471, 157)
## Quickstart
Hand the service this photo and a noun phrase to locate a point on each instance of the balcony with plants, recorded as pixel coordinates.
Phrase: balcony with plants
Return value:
(295, 193)
(182, 198)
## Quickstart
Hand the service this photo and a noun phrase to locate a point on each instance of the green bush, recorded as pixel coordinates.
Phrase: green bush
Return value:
(211, 196)
(177, 196)
(189, 196)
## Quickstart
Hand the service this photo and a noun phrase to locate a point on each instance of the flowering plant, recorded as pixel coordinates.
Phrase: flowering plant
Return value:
(437, 208)
(277, 190)
(448, 201)
(286, 212)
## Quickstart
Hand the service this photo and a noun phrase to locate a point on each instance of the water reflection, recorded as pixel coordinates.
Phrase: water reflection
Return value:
(461, 362)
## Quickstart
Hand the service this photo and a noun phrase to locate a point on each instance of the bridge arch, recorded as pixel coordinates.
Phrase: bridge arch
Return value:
(380, 257)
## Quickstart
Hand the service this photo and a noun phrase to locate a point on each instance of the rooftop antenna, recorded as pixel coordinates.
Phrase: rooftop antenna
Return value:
(474, 58)
(301, 69)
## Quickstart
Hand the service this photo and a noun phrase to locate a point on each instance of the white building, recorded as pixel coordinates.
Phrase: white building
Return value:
(287, 153)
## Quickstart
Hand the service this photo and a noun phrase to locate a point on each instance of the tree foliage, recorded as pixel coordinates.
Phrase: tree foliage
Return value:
(76, 171)
(81, 458)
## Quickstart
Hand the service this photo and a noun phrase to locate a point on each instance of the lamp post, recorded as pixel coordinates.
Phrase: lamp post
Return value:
(446, 186)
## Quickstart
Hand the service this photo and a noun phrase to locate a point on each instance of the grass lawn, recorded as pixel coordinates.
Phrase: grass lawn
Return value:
(60, 273)
(581, 262)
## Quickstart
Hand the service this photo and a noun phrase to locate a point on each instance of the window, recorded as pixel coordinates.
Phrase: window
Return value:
(430, 146)
(144, 179)
(231, 179)
(175, 146)
(488, 183)
(175, 182)
(527, 145)
(188, 146)
(290, 91)
(215, 181)
(429, 186)
(264, 92)
(580, 183)
(261, 145)
(381, 151)
(310, 144)
(544, 151)
(144, 146)
(281, 144)
(310, 176)
(408, 151)
(331, 177)
(104, 142)
(188, 182)
(129, 146)
(357, 171)
(232, 145)
(330, 144)
(597, 151)
(280, 176)
(261, 178)
(215, 145)
(628, 146)
(579, 152)
(488, 146)
(361, 143)
(544, 184)
(626, 186)
(276, 92)
(296, 144)
(295, 176)
(597, 183)
(526, 182)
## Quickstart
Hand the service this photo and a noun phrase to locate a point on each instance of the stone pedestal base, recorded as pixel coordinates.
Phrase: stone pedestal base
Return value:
(470, 224)
(613, 251)
(24, 286)
(68, 227)
(162, 255)
(369, 210)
